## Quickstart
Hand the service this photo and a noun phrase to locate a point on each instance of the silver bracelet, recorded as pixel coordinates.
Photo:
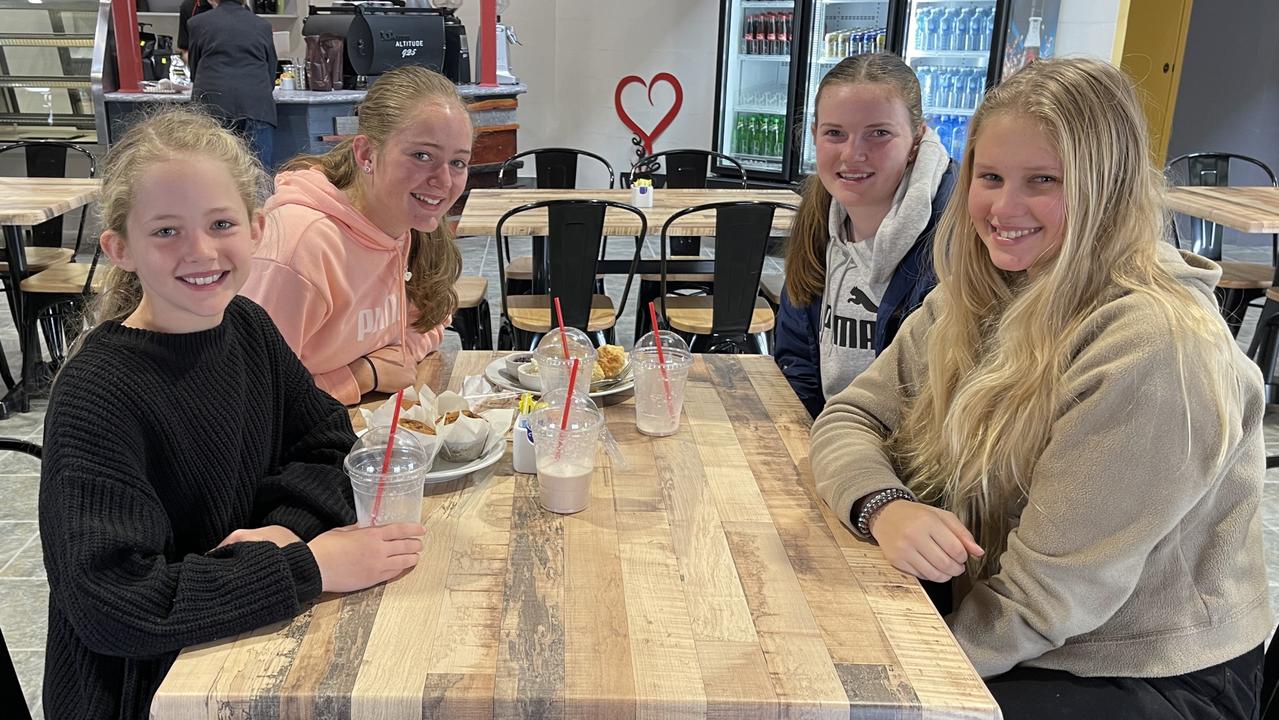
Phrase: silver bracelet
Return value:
(876, 503)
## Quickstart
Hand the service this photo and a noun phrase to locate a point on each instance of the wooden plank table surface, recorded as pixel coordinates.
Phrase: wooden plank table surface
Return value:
(707, 581)
(484, 207)
(30, 201)
(1246, 209)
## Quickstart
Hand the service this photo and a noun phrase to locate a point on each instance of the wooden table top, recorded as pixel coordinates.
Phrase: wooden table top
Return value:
(30, 201)
(706, 581)
(1246, 209)
(484, 207)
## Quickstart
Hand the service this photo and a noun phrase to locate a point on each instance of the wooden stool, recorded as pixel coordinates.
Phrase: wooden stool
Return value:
(471, 320)
(39, 258)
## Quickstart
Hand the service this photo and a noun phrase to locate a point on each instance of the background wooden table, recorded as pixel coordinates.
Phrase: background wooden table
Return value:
(1246, 209)
(484, 207)
(705, 581)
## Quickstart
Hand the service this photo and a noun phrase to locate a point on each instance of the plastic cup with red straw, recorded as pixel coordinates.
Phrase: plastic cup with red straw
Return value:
(661, 358)
(386, 458)
(559, 317)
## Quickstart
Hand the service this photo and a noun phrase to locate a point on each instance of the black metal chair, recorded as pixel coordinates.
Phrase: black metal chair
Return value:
(48, 159)
(9, 685)
(1242, 283)
(568, 272)
(679, 169)
(723, 320)
(556, 169)
(471, 320)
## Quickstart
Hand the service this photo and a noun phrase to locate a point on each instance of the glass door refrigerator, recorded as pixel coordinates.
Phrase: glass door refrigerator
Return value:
(759, 61)
(959, 48)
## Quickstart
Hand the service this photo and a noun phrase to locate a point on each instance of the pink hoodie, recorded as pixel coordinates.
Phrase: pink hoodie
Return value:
(333, 282)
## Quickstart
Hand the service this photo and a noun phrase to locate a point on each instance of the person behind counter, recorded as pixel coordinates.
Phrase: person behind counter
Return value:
(1068, 426)
(187, 10)
(859, 260)
(357, 267)
(232, 62)
(192, 484)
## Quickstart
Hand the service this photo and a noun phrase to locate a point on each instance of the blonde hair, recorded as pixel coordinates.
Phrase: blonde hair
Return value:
(999, 349)
(806, 249)
(169, 134)
(392, 102)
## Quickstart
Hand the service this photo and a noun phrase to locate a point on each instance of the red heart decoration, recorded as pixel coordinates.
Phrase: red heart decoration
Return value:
(666, 120)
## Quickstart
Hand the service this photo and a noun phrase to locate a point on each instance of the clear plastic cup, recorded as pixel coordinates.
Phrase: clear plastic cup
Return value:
(554, 370)
(402, 485)
(566, 457)
(659, 388)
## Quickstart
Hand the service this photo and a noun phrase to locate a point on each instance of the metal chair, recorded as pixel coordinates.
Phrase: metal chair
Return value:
(556, 168)
(471, 320)
(568, 272)
(1242, 283)
(48, 159)
(723, 320)
(684, 169)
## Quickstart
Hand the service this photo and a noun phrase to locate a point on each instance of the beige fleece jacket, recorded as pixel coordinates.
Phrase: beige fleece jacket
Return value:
(1132, 557)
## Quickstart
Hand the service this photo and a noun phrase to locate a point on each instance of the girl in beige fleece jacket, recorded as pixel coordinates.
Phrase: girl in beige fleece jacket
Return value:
(1067, 427)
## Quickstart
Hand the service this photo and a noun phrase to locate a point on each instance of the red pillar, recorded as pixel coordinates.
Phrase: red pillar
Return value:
(128, 53)
(488, 41)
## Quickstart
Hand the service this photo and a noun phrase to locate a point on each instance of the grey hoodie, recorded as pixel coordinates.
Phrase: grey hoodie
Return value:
(1135, 555)
(857, 273)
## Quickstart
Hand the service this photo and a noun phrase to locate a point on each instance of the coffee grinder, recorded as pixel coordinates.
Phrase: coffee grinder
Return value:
(457, 56)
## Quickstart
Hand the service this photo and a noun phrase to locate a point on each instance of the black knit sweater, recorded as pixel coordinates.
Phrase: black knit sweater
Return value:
(157, 447)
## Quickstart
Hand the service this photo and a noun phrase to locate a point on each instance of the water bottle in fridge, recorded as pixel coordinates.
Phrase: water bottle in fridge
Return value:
(932, 38)
(976, 87)
(944, 130)
(925, 74)
(958, 137)
(977, 36)
(962, 26)
(946, 30)
(921, 28)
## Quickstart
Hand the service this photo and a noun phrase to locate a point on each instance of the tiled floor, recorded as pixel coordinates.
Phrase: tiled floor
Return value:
(24, 591)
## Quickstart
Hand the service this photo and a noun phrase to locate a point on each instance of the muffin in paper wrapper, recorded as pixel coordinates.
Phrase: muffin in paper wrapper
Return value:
(444, 424)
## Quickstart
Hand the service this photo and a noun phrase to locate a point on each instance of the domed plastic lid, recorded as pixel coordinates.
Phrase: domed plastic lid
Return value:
(368, 452)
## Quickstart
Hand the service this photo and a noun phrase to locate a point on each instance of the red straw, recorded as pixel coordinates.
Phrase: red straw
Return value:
(386, 459)
(568, 405)
(559, 315)
(661, 358)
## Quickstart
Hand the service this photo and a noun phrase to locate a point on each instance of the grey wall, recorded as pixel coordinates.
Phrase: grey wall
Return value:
(1229, 94)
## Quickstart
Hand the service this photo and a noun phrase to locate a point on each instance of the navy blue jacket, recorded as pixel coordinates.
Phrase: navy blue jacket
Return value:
(798, 327)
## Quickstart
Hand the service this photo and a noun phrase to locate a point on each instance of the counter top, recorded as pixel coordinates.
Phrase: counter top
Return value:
(309, 97)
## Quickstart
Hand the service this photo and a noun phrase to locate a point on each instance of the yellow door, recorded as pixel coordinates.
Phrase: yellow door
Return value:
(1150, 44)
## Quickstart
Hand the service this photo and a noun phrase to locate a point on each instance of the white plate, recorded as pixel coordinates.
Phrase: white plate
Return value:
(444, 471)
(493, 373)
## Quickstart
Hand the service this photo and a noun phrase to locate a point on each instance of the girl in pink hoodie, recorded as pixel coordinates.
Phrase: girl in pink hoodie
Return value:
(357, 267)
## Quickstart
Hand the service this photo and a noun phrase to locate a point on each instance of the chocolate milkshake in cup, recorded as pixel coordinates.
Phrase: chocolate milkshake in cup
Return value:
(401, 493)
(659, 382)
(565, 451)
(554, 368)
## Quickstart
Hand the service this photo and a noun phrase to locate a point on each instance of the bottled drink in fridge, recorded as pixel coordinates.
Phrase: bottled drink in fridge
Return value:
(739, 135)
(976, 87)
(945, 86)
(946, 30)
(770, 34)
(977, 31)
(962, 26)
(775, 146)
(921, 29)
(958, 137)
(932, 38)
(925, 74)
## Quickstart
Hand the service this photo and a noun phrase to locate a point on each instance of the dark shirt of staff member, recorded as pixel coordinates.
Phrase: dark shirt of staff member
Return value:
(232, 61)
(187, 10)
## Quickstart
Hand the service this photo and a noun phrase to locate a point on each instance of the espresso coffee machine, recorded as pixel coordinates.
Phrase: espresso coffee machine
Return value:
(380, 38)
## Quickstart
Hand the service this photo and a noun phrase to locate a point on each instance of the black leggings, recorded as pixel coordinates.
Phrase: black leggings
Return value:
(1229, 691)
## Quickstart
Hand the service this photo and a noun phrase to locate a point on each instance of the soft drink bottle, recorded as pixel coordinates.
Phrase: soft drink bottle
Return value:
(775, 136)
(787, 20)
(748, 34)
(770, 36)
(959, 136)
(946, 30)
(963, 22)
(739, 135)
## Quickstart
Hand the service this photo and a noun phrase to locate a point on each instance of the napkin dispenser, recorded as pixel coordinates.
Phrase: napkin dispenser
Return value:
(381, 38)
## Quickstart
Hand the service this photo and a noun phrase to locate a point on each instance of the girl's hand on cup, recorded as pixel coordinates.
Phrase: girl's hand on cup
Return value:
(353, 558)
(923, 541)
(277, 534)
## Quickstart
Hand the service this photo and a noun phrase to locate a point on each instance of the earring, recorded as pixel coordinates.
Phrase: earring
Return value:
(368, 167)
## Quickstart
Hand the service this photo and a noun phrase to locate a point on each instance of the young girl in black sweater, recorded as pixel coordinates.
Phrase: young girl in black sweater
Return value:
(192, 484)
